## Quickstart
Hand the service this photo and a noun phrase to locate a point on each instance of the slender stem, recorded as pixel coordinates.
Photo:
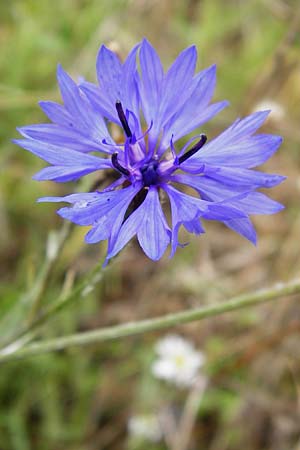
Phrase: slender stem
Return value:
(30, 302)
(43, 279)
(186, 424)
(27, 333)
(158, 323)
(29, 305)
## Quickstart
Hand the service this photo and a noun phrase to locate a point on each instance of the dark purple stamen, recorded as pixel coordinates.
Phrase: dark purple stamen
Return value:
(123, 119)
(117, 165)
(193, 150)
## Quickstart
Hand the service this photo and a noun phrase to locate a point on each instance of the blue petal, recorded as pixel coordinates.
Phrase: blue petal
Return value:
(79, 108)
(194, 226)
(242, 128)
(223, 211)
(62, 174)
(257, 203)
(149, 223)
(85, 198)
(194, 111)
(177, 80)
(69, 137)
(104, 210)
(130, 95)
(117, 81)
(184, 124)
(57, 113)
(186, 211)
(208, 188)
(154, 233)
(212, 190)
(108, 225)
(89, 211)
(62, 156)
(151, 81)
(244, 227)
(242, 177)
(248, 203)
(100, 101)
(69, 164)
(251, 152)
(127, 231)
(236, 147)
(109, 71)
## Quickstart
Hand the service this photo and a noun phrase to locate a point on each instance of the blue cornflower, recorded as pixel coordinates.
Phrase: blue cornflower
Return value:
(139, 96)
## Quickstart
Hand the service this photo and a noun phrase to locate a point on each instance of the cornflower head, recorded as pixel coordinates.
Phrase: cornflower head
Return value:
(154, 110)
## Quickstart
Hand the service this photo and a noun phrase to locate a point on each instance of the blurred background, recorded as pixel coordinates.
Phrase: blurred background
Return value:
(92, 398)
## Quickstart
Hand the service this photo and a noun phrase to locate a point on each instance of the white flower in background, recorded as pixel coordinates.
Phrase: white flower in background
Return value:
(145, 427)
(178, 361)
(277, 110)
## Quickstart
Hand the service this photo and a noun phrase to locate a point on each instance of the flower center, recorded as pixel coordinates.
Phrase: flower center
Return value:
(180, 361)
(134, 164)
(149, 173)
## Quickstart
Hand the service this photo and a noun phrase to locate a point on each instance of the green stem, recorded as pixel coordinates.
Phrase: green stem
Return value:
(27, 333)
(158, 323)
(29, 303)
(46, 272)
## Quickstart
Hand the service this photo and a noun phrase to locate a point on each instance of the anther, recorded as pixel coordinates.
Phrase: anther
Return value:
(193, 150)
(117, 165)
(123, 119)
